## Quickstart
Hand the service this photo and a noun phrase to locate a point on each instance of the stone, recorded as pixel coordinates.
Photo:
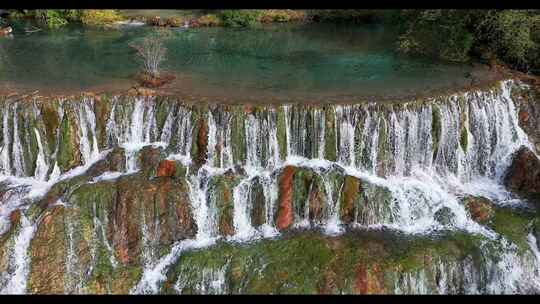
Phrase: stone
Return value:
(479, 209)
(69, 155)
(132, 194)
(114, 161)
(220, 193)
(523, 116)
(202, 143)
(175, 217)
(15, 217)
(5, 31)
(369, 279)
(317, 203)
(257, 201)
(166, 168)
(351, 190)
(329, 283)
(444, 216)
(149, 159)
(523, 176)
(48, 250)
(285, 216)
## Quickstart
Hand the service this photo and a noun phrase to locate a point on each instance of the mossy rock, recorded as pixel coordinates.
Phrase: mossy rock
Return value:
(48, 250)
(513, 225)
(355, 263)
(479, 208)
(51, 120)
(68, 155)
(220, 194)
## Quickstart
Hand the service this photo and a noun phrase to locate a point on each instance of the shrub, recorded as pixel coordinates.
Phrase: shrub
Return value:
(349, 15)
(239, 18)
(53, 18)
(436, 33)
(281, 15)
(507, 36)
(209, 20)
(151, 50)
(510, 34)
(100, 17)
(174, 21)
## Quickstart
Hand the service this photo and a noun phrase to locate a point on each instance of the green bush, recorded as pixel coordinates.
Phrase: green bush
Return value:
(509, 34)
(281, 15)
(209, 20)
(239, 18)
(99, 17)
(350, 15)
(506, 36)
(436, 33)
(55, 18)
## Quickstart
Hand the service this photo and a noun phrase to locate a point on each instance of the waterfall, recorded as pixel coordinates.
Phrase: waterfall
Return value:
(89, 147)
(41, 165)
(242, 222)
(270, 191)
(333, 222)
(413, 160)
(206, 232)
(99, 226)
(19, 259)
(345, 126)
(73, 275)
(18, 160)
(6, 160)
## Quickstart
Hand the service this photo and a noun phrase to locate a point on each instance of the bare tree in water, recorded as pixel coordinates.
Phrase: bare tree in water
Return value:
(151, 49)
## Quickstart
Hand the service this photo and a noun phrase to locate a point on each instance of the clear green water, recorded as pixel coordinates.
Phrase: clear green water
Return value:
(316, 60)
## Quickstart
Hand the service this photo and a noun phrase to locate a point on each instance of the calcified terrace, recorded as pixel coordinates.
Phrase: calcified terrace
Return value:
(251, 172)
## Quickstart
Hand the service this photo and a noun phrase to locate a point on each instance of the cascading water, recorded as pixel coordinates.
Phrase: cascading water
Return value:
(41, 165)
(424, 157)
(19, 259)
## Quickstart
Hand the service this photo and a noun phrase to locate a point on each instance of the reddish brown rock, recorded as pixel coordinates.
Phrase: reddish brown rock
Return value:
(166, 168)
(202, 142)
(523, 176)
(48, 250)
(15, 217)
(285, 216)
(529, 111)
(369, 279)
(132, 193)
(248, 109)
(225, 205)
(115, 161)
(329, 283)
(351, 190)
(175, 218)
(257, 201)
(317, 203)
(479, 208)
(150, 158)
(523, 116)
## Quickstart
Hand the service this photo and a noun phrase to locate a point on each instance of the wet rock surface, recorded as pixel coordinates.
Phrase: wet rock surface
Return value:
(128, 182)
(529, 114)
(353, 263)
(523, 176)
(480, 209)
